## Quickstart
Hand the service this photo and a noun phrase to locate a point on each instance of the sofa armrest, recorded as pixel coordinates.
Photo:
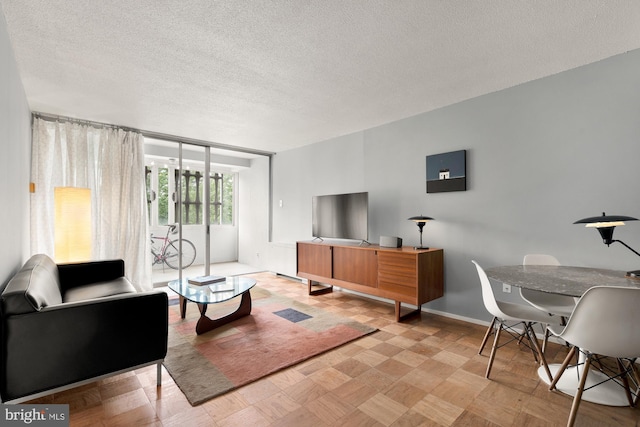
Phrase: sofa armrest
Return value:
(80, 274)
(67, 343)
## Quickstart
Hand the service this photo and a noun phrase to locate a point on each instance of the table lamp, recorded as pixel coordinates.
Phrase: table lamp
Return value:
(605, 225)
(420, 220)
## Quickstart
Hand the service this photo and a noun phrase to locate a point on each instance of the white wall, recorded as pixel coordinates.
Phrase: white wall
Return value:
(330, 167)
(253, 214)
(15, 146)
(539, 157)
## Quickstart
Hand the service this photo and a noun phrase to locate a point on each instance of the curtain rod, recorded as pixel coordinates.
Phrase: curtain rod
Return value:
(154, 135)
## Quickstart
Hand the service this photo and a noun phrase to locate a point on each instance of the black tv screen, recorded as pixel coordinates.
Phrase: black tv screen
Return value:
(341, 216)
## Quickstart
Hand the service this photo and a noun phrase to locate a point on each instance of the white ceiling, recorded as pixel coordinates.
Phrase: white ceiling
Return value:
(277, 74)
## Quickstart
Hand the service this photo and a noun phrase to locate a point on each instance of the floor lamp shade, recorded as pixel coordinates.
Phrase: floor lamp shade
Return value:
(72, 226)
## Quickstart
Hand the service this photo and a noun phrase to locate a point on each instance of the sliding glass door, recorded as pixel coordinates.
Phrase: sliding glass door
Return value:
(175, 204)
(190, 205)
(193, 199)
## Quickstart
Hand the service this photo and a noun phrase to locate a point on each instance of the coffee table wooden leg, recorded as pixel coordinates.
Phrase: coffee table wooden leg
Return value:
(206, 324)
(202, 308)
(183, 306)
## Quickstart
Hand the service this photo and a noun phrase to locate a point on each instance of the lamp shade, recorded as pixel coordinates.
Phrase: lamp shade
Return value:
(72, 224)
(420, 218)
(605, 225)
(605, 220)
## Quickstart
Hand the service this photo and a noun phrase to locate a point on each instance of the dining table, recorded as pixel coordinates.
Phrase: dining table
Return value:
(571, 281)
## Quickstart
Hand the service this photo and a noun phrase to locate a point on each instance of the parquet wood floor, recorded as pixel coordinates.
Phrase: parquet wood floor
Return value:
(425, 372)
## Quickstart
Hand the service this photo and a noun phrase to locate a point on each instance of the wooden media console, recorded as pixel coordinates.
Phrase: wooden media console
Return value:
(412, 276)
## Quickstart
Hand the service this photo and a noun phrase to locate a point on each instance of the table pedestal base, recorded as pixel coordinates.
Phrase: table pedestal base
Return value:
(609, 393)
(205, 324)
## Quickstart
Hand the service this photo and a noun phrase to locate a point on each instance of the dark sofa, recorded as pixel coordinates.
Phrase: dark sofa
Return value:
(69, 324)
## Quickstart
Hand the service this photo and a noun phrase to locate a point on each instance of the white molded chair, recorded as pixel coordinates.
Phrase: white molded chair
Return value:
(516, 314)
(560, 305)
(605, 322)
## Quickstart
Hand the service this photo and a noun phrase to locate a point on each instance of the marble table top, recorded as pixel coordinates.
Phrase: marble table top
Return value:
(565, 280)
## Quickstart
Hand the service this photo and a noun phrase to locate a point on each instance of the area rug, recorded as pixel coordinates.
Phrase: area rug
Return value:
(279, 333)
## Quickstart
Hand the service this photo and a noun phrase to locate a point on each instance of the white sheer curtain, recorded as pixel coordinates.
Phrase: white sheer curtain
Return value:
(110, 162)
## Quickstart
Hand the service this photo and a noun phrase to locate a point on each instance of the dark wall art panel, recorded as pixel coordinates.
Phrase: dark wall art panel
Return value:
(447, 172)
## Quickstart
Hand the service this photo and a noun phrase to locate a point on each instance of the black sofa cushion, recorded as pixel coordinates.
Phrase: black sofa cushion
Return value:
(34, 287)
(84, 273)
(99, 290)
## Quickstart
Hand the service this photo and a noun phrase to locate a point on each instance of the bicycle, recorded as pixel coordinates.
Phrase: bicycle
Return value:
(168, 252)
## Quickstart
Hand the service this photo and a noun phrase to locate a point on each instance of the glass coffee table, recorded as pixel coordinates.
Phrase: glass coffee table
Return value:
(214, 293)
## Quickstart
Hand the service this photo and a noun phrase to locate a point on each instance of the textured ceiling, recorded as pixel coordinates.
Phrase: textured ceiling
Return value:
(274, 75)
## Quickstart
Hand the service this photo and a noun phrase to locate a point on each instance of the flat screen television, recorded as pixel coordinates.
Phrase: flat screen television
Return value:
(341, 216)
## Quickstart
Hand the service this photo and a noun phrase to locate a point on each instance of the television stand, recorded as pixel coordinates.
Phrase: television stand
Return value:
(404, 275)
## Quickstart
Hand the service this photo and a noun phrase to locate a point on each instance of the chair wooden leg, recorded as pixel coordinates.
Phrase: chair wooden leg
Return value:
(625, 381)
(487, 335)
(496, 341)
(636, 376)
(543, 361)
(563, 367)
(546, 337)
(578, 396)
(528, 332)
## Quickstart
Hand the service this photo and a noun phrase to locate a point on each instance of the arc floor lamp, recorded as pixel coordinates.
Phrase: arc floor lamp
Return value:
(606, 224)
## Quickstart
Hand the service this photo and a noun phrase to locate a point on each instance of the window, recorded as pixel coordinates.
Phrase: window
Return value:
(163, 203)
(221, 198)
(163, 196)
(192, 191)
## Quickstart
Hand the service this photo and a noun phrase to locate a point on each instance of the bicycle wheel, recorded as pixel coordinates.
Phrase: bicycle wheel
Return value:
(171, 254)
